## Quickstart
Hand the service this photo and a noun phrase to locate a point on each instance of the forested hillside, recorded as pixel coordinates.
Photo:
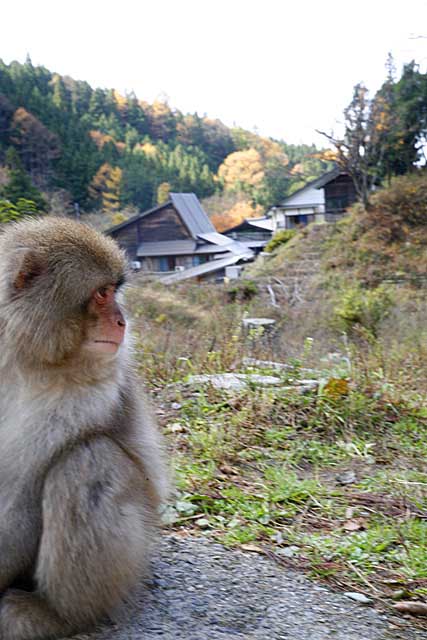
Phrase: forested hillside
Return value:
(106, 151)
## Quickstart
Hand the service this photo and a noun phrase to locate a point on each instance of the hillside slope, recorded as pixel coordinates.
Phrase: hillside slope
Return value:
(367, 272)
(319, 460)
(72, 137)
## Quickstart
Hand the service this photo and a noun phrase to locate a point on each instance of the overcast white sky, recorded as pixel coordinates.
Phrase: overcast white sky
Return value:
(284, 67)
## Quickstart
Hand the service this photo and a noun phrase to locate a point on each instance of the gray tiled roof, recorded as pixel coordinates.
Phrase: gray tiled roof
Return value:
(192, 214)
(214, 237)
(264, 223)
(225, 242)
(261, 223)
(178, 247)
(202, 269)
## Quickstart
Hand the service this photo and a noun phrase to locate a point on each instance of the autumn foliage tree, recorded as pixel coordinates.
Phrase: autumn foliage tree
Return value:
(105, 187)
(36, 144)
(242, 171)
(261, 171)
(236, 214)
(163, 191)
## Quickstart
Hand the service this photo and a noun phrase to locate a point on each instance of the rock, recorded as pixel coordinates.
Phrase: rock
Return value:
(175, 427)
(255, 378)
(346, 477)
(228, 381)
(358, 597)
(233, 381)
(256, 323)
(287, 552)
(202, 523)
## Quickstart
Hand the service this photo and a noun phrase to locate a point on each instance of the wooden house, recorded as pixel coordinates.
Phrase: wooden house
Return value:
(254, 233)
(177, 236)
(322, 200)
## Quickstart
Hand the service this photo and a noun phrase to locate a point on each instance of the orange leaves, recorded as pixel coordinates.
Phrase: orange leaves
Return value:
(105, 187)
(120, 100)
(100, 138)
(335, 388)
(36, 143)
(163, 191)
(234, 216)
(242, 169)
(148, 149)
(328, 155)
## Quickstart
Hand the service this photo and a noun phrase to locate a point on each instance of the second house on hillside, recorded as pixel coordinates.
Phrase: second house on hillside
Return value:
(176, 239)
(322, 200)
(254, 233)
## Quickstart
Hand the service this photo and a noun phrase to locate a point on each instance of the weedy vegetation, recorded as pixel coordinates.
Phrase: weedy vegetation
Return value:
(330, 478)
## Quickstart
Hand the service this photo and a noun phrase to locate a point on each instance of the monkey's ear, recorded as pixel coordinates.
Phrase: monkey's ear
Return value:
(30, 268)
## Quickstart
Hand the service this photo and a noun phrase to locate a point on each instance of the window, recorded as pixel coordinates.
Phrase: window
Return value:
(166, 263)
(199, 260)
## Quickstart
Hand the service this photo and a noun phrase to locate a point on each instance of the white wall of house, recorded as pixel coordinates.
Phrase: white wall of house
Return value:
(307, 202)
(308, 196)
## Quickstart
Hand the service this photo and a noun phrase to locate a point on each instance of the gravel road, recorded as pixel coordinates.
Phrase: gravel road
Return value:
(202, 591)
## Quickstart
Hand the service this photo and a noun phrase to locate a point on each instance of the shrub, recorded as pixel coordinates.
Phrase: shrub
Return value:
(404, 200)
(365, 308)
(280, 238)
(242, 290)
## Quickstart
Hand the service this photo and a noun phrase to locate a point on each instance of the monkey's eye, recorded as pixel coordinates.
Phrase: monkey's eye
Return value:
(101, 296)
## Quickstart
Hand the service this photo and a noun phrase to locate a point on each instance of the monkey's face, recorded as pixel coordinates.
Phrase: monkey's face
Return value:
(106, 324)
(58, 293)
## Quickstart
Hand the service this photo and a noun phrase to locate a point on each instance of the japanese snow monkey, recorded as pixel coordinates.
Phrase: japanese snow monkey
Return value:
(81, 468)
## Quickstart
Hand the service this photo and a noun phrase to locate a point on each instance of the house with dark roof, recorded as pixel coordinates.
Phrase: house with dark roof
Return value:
(254, 233)
(322, 200)
(178, 236)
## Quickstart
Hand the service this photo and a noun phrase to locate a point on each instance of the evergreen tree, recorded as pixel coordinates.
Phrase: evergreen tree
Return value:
(20, 186)
(10, 212)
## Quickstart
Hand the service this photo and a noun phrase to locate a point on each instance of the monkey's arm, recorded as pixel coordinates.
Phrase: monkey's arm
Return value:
(137, 432)
(153, 458)
(97, 528)
(19, 537)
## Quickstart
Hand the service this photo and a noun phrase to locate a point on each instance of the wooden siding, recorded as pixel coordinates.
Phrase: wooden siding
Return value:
(168, 263)
(127, 237)
(246, 235)
(162, 225)
(339, 194)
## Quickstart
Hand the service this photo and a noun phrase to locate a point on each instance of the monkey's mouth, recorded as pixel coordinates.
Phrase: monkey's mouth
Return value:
(103, 346)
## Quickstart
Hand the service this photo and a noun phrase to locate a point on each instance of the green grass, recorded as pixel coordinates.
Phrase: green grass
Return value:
(261, 468)
(267, 467)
